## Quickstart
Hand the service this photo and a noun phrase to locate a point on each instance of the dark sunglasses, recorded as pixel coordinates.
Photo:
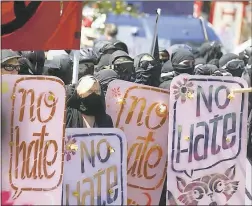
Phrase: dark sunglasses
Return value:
(10, 67)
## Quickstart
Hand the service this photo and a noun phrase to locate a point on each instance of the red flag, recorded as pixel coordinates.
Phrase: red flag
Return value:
(37, 25)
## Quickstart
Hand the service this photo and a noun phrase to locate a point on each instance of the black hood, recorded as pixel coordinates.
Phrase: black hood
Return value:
(60, 66)
(120, 45)
(147, 70)
(103, 62)
(104, 77)
(122, 64)
(183, 61)
(37, 59)
(103, 47)
(233, 64)
(207, 69)
(26, 67)
(210, 50)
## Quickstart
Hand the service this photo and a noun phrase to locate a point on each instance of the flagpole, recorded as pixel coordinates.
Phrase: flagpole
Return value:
(158, 11)
(76, 59)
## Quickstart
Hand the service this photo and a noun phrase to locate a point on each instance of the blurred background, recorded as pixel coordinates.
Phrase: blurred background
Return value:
(181, 22)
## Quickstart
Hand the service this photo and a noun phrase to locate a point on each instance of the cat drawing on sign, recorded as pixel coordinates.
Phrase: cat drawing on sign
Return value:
(213, 189)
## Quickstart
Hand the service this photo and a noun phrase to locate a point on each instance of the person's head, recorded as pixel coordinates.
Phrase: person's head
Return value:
(210, 50)
(90, 96)
(103, 63)
(147, 70)
(110, 30)
(232, 63)
(61, 67)
(26, 67)
(121, 46)
(164, 55)
(122, 64)
(103, 47)
(37, 59)
(9, 62)
(86, 63)
(183, 61)
(105, 76)
(206, 69)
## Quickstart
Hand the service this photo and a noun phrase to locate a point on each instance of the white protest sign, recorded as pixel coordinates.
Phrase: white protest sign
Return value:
(95, 167)
(207, 141)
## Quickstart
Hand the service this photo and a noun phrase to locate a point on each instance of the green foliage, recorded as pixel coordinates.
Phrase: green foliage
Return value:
(116, 7)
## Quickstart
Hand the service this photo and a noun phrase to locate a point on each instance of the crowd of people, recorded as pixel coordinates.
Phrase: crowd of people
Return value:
(108, 60)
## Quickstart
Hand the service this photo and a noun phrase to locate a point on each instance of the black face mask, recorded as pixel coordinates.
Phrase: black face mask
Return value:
(124, 70)
(92, 105)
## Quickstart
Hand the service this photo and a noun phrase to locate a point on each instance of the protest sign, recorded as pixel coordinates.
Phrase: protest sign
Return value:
(95, 167)
(142, 113)
(33, 115)
(207, 141)
(40, 25)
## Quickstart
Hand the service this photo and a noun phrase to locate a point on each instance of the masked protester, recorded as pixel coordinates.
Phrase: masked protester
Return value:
(9, 62)
(232, 64)
(86, 105)
(210, 50)
(122, 64)
(60, 66)
(26, 67)
(175, 47)
(120, 46)
(164, 55)
(86, 62)
(102, 47)
(103, 63)
(147, 70)
(104, 77)
(37, 59)
(210, 70)
(182, 62)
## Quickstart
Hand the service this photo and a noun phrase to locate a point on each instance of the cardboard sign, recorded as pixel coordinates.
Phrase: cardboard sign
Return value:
(40, 25)
(95, 167)
(207, 141)
(142, 113)
(33, 115)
